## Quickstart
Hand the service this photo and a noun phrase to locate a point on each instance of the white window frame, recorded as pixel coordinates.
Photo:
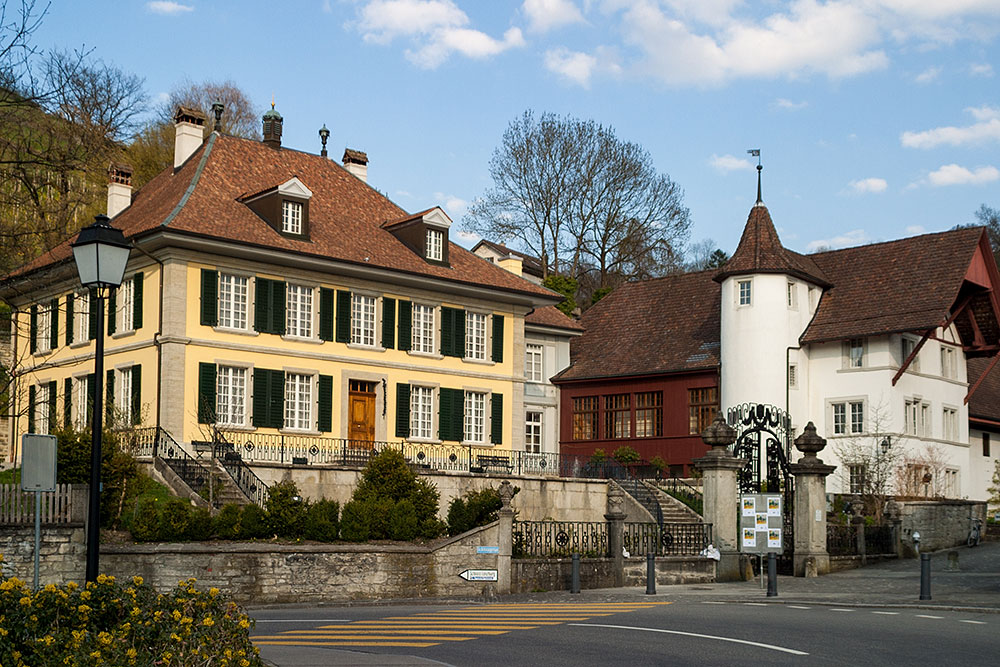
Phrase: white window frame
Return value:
(916, 417)
(533, 432)
(474, 428)
(744, 292)
(434, 244)
(475, 336)
(847, 416)
(534, 360)
(299, 311)
(42, 425)
(125, 306)
(838, 418)
(123, 394)
(856, 477)
(43, 330)
(233, 300)
(421, 412)
(949, 423)
(906, 346)
(949, 362)
(364, 316)
(80, 400)
(291, 216)
(299, 401)
(81, 317)
(231, 383)
(855, 353)
(792, 295)
(951, 483)
(423, 329)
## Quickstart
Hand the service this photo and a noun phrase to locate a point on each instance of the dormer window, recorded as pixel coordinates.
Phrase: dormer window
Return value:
(291, 217)
(435, 241)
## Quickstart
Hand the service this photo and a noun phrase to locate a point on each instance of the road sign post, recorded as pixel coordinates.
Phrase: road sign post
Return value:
(38, 475)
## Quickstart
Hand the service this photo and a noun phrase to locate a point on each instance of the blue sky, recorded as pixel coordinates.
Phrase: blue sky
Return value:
(876, 119)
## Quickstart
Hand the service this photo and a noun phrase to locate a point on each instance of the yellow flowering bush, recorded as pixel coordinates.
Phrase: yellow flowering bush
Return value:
(118, 624)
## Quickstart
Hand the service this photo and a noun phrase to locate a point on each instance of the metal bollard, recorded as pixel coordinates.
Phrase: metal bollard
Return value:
(650, 574)
(574, 586)
(925, 576)
(772, 576)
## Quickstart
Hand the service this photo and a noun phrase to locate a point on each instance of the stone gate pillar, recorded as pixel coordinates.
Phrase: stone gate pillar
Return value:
(615, 516)
(720, 495)
(506, 516)
(811, 557)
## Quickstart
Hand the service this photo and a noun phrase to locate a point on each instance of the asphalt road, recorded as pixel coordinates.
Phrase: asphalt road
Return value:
(637, 631)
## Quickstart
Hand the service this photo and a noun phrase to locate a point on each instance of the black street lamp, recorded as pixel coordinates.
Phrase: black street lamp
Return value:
(100, 253)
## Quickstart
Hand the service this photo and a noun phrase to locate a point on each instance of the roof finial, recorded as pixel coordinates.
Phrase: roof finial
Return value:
(756, 153)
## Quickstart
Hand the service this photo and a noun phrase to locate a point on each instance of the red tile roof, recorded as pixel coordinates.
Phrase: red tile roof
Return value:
(655, 326)
(985, 402)
(550, 316)
(202, 197)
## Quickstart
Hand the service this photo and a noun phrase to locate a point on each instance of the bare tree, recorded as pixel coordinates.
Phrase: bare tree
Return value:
(870, 463)
(572, 193)
(923, 473)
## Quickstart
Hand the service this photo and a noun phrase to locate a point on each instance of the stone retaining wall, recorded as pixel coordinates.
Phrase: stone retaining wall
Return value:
(555, 574)
(942, 523)
(63, 553)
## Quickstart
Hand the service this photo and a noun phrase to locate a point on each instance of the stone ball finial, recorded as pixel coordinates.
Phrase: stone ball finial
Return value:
(809, 443)
(506, 492)
(719, 434)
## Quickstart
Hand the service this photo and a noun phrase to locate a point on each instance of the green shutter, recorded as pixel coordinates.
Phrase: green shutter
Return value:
(136, 401)
(261, 379)
(326, 310)
(91, 387)
(68, 402)
(92, 315)
(206, 393)
(324, 423)
(262, 305)
(69, 318)
(402, 410)
(276, 400)
(405, 325)
(451, 409)
(452, 332)
(31, 409)
(53, 394)
(498, 338)
(343, 316)
(210, 297)
(388, 323)
(54, 324)
(137, 301)
(33, 333)
(112, 311)
(496, 419)
(109, 398)
(278, 307)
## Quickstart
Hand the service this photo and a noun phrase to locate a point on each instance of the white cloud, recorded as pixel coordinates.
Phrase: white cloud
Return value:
(928, 75)
(915, 229)
(727, 163)
(467, 239)
(981, 69)
(168, 8)
(953, 174)
(436, 29)
(454, 206)
(866, 185)
(851, 238)
(573, 65)
(162, 98)
(544, 15)
(986, 130)
(327, 7)
(782, 103)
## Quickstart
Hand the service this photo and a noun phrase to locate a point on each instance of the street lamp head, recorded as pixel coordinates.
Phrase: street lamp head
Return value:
(886, 444)
(100, 253)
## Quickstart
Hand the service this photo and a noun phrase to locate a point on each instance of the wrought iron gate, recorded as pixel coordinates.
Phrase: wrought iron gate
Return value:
(763, 438)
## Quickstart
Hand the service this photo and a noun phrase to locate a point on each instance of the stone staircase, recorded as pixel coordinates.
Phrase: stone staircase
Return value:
(663, 507)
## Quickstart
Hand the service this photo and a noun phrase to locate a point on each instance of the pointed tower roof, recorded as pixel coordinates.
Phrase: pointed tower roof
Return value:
(760, 251)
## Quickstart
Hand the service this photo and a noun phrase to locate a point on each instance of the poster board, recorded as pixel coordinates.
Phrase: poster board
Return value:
(761, 523)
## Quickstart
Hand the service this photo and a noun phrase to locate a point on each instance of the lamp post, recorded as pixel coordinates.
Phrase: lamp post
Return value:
(100, 253)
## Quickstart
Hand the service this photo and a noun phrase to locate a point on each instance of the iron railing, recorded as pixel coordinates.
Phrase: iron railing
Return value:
(139, 442)
(645, 497)
(557, 539)
(252, 486)
(843, 540)
(668, 539)
(191, 471)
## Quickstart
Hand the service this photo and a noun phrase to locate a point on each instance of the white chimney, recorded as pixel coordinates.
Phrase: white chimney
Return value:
(190, 132)
(119, 188)
(356, 162)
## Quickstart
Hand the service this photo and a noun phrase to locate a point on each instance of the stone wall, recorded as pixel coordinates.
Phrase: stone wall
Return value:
(941, 523)
(63, 553)
(555, 574)
(671, 570)
(540, 498)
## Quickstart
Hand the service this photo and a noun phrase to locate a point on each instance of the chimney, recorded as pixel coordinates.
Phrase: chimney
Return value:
(511, 263)
(190, 132)
(119, 188)
(356, 163)
(272, 128)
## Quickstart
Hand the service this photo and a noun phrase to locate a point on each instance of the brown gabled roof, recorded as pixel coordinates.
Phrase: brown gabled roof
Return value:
(760, 251)
(550, 316)
(345, 214)
(529, 264)
(655, 326)
(985, 400)
(905, 285)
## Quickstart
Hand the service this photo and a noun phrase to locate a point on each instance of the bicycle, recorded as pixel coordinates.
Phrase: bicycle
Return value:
(975, 533)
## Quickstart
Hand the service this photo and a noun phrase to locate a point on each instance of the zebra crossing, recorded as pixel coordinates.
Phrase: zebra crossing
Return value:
(448, 625)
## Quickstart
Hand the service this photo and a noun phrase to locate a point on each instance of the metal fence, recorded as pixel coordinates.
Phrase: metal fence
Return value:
(670, 539)
(556, 539)
(844, 540)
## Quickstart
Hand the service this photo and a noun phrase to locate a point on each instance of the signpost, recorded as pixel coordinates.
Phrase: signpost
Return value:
(761, 525)
(478, 575)
(38, 474)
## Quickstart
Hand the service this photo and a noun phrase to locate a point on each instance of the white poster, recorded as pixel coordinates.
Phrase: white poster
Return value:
(761, 522)
(749, 506)
(749, 537)
(774, 506)
(774, 538)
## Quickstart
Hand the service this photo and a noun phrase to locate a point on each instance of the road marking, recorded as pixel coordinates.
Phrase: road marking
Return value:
(887, 613)
(302, 620)
(754, 604)
(364, 643)
(795, 606)
(845, 610)
(928, 616)
(974, 622)
(705, 602)
(771, 647)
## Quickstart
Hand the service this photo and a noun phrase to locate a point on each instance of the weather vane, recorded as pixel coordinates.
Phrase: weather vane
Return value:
(755, 152)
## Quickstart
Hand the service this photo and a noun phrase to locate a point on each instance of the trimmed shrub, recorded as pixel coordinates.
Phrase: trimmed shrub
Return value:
(201, 527)
(145, 525)
(286, 510)
(175, 520)
(475, 508)
(253, 523)
(387, 477)
(228, 520)
(353, 522)
(625, 455)
(323, 521)
(403, 523)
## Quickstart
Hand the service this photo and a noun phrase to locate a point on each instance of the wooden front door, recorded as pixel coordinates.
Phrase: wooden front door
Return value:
(361, 411)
